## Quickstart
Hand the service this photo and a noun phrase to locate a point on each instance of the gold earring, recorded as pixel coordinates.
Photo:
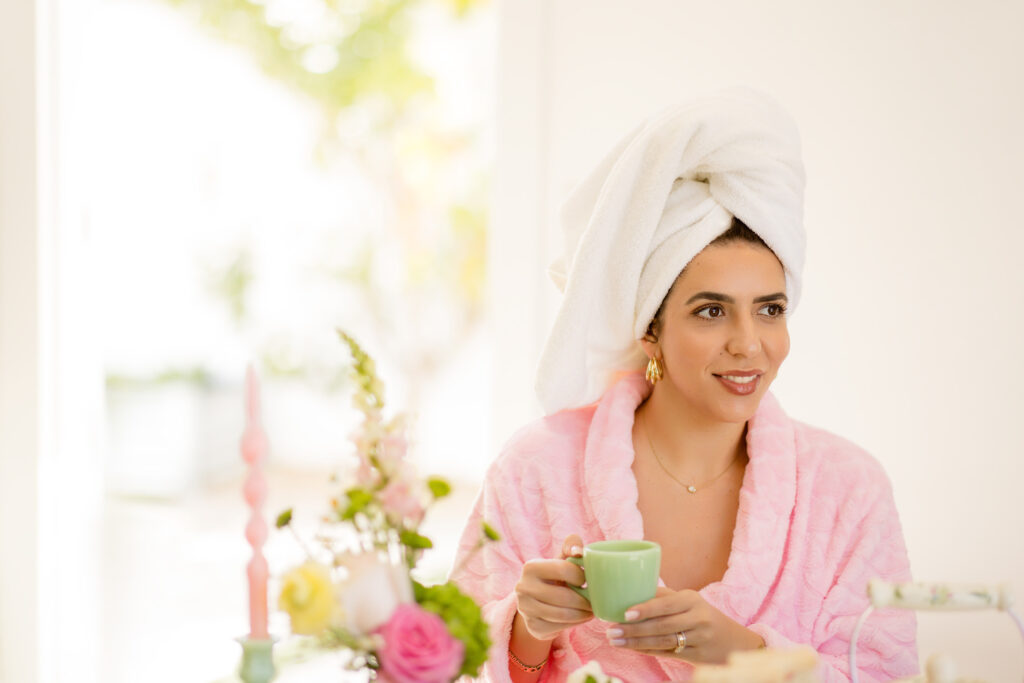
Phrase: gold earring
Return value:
(654, 371)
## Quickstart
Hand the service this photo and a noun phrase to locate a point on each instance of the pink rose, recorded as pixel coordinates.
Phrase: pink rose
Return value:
(418, 648)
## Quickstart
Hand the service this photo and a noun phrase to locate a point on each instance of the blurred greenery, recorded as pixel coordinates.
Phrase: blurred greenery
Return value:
(231, 283)
(339, 52)
(352, 59)
(469, 224)
(197, 376)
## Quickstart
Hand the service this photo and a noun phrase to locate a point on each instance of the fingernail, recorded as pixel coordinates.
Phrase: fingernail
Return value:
(618, 642)
(614, 633)
(631, 615)
(575, 550)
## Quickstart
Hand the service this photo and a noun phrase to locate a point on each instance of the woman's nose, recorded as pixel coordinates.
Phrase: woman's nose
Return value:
(743, 338)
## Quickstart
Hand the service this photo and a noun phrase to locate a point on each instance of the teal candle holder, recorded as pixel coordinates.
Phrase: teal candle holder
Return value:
(257, 660)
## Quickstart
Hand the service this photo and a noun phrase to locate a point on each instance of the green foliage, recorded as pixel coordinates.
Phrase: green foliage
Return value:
(414, 541)
(231, 284)
(199, 377)
(469, 228)
(439, 488)
(462, 617)
(367, 48)
(462, 7)
(284, 519)
(358, 499)
(489, 532)
(369, 394)
(360, 645)
(352, 58)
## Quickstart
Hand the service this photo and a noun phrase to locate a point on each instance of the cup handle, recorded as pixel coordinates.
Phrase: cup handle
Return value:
(578, 561)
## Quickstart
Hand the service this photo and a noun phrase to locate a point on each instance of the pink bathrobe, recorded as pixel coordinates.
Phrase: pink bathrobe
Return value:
(816, 520)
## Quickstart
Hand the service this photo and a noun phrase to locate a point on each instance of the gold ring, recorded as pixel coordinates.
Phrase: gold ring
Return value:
(680, 642)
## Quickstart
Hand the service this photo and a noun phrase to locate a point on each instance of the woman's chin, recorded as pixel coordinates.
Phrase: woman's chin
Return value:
(723, 406)
(737, 409)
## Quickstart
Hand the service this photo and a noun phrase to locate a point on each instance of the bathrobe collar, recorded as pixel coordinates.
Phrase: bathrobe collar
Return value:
(767, 496)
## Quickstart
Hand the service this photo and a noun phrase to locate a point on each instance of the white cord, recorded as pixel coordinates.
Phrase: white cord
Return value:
(853, 642)
(1016, 620)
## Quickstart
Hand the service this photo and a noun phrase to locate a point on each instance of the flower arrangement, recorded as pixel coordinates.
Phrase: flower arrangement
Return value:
(354, 591)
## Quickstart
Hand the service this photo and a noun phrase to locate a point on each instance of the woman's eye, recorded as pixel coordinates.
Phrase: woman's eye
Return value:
(773, 310)
(711, 312)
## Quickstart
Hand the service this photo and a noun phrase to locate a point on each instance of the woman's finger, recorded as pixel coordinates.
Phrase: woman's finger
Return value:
(535, 609)
(656, 626)
(663, 643)
(554, 570)
(572, 546)
(664, 603)
(559, 596)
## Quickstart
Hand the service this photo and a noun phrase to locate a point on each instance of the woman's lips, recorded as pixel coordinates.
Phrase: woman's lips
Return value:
(740, 388)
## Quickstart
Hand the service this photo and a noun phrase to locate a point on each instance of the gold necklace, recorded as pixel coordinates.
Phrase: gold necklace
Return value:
(689, 487)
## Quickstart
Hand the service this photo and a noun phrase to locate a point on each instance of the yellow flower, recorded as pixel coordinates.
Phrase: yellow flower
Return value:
(307, 595)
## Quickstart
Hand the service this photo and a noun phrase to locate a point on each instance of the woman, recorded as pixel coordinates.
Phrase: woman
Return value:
(683, 254)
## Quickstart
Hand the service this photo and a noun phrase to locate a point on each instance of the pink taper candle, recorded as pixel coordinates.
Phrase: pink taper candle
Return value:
(254, 452)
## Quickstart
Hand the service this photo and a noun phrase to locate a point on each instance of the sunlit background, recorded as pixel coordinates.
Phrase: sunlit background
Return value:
(259, 174)
(240, 180)
(228, 182)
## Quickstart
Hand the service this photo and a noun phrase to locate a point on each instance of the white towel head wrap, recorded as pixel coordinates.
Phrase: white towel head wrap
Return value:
(662, 194)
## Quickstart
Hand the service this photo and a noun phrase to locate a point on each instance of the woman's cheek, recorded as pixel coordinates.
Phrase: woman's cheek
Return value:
(780, 346)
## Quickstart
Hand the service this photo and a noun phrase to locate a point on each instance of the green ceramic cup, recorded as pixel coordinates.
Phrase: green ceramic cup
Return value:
(620, 574)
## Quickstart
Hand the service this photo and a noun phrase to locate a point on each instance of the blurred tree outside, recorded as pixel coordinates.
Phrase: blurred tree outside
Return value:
(254, 175)
(386, 240)
(421, 278)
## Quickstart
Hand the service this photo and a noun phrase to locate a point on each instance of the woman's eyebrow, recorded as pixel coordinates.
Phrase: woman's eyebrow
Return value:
(725, 298)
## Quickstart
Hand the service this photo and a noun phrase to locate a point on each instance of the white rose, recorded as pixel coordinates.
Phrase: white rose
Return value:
(371, 591)
(593, 670)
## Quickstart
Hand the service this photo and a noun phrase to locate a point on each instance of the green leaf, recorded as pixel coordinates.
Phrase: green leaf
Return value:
(414, 540)
(358, 499)
(284, 519)
(439, 488)
(490, 533)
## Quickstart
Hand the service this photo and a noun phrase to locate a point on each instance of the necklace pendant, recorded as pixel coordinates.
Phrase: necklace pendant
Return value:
(691, 488)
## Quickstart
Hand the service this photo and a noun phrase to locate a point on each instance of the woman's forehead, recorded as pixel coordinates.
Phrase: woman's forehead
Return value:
(739, 270)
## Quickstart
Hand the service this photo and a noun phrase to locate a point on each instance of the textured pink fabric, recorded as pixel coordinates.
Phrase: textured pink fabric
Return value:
(816, 521)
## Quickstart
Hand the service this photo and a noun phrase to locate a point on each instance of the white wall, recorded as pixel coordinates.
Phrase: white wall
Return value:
(21, 404)
(48, 466)
(908, 337)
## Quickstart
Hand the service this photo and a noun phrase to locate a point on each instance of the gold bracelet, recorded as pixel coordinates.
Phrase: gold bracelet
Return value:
(526, 667)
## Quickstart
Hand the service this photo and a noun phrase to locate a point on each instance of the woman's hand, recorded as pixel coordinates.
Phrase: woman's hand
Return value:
(710, 635)
(546, 604)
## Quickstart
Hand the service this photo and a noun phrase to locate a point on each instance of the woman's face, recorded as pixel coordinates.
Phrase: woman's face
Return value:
(724, 332)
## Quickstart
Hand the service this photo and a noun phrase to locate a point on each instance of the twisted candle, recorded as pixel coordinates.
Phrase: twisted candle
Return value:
(254, 451)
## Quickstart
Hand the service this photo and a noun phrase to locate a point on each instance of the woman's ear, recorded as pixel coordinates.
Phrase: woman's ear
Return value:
(650, 345)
